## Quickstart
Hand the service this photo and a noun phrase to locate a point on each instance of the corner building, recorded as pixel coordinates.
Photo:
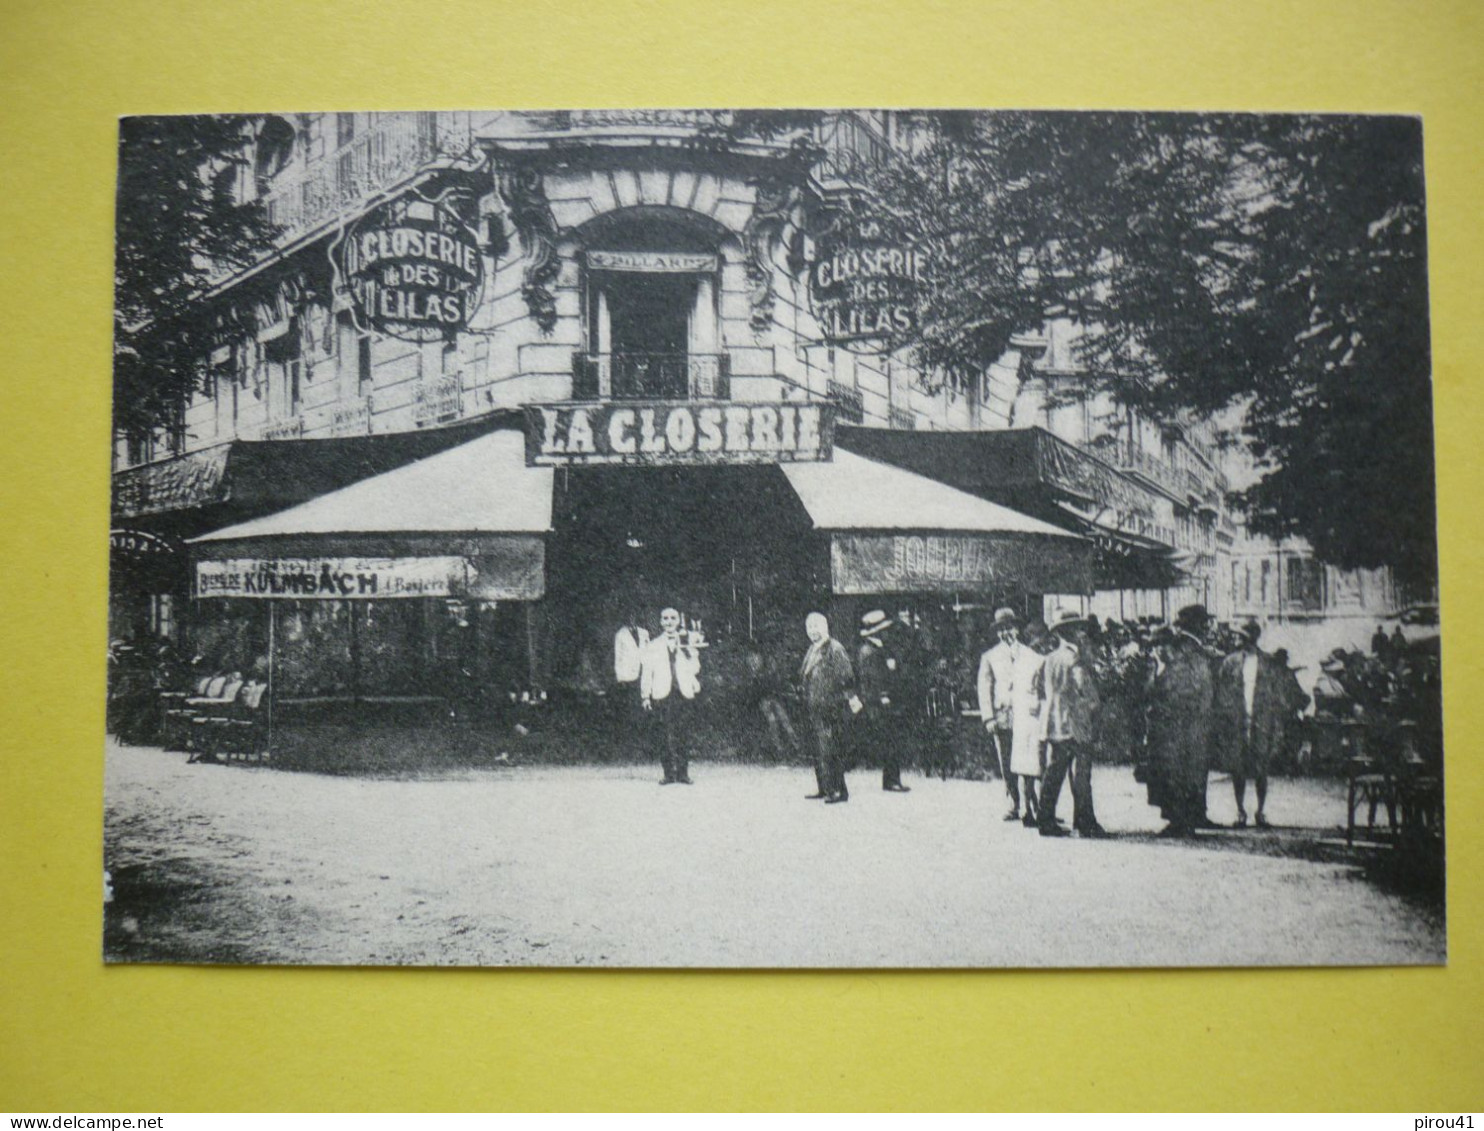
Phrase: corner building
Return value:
(408, 482)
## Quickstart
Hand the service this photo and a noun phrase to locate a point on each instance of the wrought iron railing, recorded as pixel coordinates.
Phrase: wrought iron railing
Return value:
(1155, 470)
(651, 376)
(648, 118)
(852, 147)
(392, 149)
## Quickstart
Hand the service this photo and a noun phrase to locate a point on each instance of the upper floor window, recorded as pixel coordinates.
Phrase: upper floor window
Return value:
(275, 150)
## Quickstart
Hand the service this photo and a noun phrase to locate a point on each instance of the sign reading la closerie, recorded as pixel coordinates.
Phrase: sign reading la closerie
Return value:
(413, 270)
(677, 432)
(864, 285)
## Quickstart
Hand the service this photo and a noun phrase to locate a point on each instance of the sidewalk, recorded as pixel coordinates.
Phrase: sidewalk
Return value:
(599, 865)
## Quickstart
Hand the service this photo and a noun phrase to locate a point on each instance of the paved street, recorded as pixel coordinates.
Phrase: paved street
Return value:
(600, 866)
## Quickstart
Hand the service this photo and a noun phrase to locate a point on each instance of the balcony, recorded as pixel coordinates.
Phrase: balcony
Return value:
(852, 147)
(1173, 481)
(392, 150)
(651, 376)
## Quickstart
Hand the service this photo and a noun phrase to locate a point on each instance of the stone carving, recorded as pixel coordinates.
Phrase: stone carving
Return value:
(530, 213)
(777, 197)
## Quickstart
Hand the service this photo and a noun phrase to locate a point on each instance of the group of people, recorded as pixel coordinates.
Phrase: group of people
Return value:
(1196, 707)
(1048, 698)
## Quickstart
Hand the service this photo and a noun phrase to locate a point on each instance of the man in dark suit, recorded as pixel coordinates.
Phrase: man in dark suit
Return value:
(828, 685)
(1255, 701)
(880, 674)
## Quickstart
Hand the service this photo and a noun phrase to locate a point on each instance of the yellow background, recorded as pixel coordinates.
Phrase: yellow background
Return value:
(76, 1036)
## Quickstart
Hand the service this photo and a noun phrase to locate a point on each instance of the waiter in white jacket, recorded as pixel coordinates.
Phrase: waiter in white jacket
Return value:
(669, 681)
(996, 687)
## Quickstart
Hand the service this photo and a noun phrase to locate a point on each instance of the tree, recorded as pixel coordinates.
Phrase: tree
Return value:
(1269, 266)
(178, 225)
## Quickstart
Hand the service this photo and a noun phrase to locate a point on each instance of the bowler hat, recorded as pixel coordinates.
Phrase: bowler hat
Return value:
(1003, 617)
(1193, 619)
(1251, 630)
(875, 621)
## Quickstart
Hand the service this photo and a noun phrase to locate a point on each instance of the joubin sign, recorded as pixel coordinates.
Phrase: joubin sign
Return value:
(412, 269)
(864, 285)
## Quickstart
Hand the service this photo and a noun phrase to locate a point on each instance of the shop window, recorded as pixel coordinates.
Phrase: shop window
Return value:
(1267, 571)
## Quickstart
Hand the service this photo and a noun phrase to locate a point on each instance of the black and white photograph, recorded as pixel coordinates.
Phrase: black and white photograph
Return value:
(755, 538)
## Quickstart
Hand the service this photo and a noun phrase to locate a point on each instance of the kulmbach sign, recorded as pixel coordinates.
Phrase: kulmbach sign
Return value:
(864, 285)
(677, 432)
(412, 268)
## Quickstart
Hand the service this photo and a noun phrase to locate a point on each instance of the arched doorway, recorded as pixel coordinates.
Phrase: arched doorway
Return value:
(650, 291)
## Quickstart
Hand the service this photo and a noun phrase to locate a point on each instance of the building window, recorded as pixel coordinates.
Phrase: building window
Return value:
(1305, 584)
(1267, 570)
(849, 403)
(314, 137)
(286, 368)
(275, 150)
(353, 360)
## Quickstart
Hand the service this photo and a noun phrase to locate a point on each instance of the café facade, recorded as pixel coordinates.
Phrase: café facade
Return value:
(476, 417)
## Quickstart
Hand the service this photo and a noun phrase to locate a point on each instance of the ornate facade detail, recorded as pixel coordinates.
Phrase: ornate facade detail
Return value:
(777, 198)
(525, 198)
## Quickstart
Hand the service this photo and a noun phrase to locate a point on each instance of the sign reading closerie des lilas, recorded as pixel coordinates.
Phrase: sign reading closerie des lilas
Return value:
(412, 269)
(864, 284)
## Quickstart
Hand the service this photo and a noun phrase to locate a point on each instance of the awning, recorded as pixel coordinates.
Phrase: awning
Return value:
(1125, 559)
(243, 479)
(892, 530)
(468, 522)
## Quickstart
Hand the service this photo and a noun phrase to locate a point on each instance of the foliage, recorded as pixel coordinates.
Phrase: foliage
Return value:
(177, 223)
(1269, 266)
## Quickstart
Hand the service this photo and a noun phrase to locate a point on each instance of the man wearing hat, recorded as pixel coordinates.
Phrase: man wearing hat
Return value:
(1069, 723)
(1180, 726)
(996, 685)
(1331, 697)
(880, 678)
(1256, 699)
(828, 687)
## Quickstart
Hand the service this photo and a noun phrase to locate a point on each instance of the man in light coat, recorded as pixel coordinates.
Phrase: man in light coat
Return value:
(669, 681)
(1069, 725)
(996, 687)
